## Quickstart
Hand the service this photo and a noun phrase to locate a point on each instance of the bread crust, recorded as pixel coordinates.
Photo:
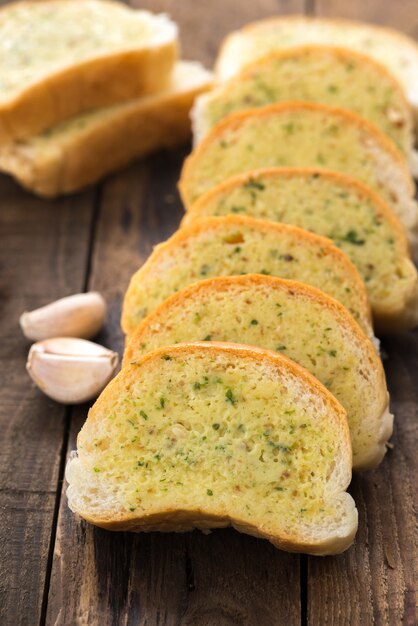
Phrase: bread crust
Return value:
(346, 54)
(289, 172)
(393, 34)
(184, 520)
(214, 223)
(233, 121)
(400, 317)
(100, 81)
(221, 283)
(224, 283)
(140, 126)
(180, 520)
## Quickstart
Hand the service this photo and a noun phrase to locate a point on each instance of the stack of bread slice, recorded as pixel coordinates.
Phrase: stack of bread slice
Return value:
(261, 308)
(328, 75)
(389, 47)
(341, 208)
(301, 134)
(87, 87)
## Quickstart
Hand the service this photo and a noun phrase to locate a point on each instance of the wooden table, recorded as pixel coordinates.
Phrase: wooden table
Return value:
(55, 569)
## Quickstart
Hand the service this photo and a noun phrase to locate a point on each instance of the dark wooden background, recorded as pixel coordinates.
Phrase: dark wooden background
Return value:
(55, 569)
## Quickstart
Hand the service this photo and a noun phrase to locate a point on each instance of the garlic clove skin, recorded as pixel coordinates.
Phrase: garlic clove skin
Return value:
(81, 315)
(71, 370)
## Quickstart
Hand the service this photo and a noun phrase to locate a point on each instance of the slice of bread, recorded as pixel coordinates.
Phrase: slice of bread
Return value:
(338, 207)
(300, 134)
(58, 59)
(233, 245)
(328, 75)
(82, 150)
(393, 49)
(294, 319)
(208, 436)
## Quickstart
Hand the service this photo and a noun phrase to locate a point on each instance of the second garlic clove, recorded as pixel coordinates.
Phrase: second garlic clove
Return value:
(81, 315)
(71, 370)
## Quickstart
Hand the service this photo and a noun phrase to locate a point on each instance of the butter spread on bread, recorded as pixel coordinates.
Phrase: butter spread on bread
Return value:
(335, 206)
(233, 245)
(293, 319)
(85, 148)
(300, 134)
(60, 58)
(207, 436)
(328, 75)
(395, 50)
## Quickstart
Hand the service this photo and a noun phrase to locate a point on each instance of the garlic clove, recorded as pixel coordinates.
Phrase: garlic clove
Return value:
(71, 370)
(81, 315)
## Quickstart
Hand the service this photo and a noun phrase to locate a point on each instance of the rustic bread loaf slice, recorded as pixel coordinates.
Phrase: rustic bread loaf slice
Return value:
(328, 75)
(207, 436)
(338, 207)
(233, 245)
(80, 151)
(58, 59)
(300, 134)
(294, 319)
(395, 50)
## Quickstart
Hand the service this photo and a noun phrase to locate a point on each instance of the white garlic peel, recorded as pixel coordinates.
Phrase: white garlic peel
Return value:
(81, 315)
(71, 370)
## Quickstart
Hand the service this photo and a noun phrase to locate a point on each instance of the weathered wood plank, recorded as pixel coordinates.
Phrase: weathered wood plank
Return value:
(375, 581)
(203, 25)
(225, 578)
(42, 257)
(402, 15)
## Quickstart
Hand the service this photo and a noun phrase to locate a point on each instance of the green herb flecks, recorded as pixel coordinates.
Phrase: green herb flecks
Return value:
(229, 396)
(254, 184)
(352, 237)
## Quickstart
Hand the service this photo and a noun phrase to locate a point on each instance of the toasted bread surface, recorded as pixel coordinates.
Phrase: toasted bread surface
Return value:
(335, 206)
(293, 319)
(58, 59)
(205, 436)
(395, 50)
(80, 151)
(316, 73)
(232, 245)
(301, 134)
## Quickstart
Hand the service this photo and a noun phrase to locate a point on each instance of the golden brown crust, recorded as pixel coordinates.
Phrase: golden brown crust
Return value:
(104, 81)
(222, 283)
(279, 361)
(343, 53)
(140, 127)
(92, 83)
(213, 223)
(389, 32)
(183, 520)
(234, 121)
(289, 172)
(180, 519)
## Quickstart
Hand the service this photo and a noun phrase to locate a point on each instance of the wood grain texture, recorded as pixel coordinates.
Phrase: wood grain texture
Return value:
(42, 257)
(402, 14)
(203, 24)
(98, 578)
(225, 578)
(375, 581)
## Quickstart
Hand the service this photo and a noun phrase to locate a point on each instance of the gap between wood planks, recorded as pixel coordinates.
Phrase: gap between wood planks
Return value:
(68, 415)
